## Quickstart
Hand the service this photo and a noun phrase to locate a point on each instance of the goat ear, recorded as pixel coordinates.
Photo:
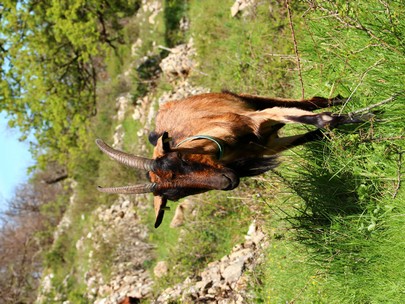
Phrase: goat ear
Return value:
(159, 203)
(162, 145)
(166, 142)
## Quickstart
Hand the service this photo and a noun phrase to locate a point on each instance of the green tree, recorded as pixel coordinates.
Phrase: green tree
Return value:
(50, 54)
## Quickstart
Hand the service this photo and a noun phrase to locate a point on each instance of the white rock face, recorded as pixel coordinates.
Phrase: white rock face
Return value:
(241, 5)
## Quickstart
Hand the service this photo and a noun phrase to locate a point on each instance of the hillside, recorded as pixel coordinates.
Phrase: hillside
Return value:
(326, 226)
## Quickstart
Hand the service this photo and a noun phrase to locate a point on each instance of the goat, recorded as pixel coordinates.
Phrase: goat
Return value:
(209, 141)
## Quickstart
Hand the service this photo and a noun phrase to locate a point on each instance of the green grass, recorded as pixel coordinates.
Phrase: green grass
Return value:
(241, 54)
(217, 226)
(336, 213)
(334, 210)
(347, 211)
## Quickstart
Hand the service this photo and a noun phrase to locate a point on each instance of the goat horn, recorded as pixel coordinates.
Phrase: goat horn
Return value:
(126, 158)
(135, 189)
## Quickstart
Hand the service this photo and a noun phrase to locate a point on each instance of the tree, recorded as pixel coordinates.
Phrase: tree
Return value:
(26, 230)
(48, 67)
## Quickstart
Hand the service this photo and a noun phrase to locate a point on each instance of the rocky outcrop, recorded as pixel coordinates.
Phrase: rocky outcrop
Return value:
(122, 104)
(176, 68)
(180, 61)
(184, 211)
(129, 279)
(223, 281)
(130, 239)
(153, 8)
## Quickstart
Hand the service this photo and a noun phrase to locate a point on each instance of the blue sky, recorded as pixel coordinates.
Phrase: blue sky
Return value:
(15, 158)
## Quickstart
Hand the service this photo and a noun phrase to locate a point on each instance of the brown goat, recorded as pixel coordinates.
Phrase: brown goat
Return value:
(209, 141)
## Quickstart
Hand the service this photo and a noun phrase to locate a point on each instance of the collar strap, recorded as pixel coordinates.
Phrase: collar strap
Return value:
(191, 138)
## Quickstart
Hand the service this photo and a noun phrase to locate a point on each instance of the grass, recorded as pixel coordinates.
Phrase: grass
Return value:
(218, 224)
(347, 205)
(336, 215)
(231, 51)
(334, 210)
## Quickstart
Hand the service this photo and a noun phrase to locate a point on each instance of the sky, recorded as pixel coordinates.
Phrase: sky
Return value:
(15, 158)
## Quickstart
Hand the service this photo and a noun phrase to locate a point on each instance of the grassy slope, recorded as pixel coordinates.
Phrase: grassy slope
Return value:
(335, 212)
(329, 210)
(67, 264)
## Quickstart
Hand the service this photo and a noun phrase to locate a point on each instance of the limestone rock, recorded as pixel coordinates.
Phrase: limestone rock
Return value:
(241, 5)
(180, 61)
(183, 211)
(161, 269)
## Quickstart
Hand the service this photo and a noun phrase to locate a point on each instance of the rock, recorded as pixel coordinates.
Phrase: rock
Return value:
(47, 283)
(184, 24)
(79, 244)
(184, 210)
(203, 285)
(122, 103)
(125, 204)
(135, 47)
(161, 269)
(242, 254)
(222, 281)
(241, 5)
(241, 284)
(118, 137)
(153, 8)
(182, 90)
(129, 279)
(178, 218)
(179, 63)
(233, 272)
(136, 293)
(212, 273)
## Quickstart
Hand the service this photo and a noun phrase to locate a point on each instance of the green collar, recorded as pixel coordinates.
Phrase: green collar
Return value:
(220, 152)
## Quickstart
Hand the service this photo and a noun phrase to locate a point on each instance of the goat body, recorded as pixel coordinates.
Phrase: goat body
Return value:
(209, 141)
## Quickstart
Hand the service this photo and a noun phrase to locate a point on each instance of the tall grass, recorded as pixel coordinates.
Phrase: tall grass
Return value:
(343, 243)
(334, 210)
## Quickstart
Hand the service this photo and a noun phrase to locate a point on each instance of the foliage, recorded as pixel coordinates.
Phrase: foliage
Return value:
(174, 12)
(49, 63)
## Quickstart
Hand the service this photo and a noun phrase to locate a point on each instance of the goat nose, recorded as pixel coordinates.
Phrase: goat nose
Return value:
(229, 181)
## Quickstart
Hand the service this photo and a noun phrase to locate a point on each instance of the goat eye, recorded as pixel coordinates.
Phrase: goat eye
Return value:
(183, 159)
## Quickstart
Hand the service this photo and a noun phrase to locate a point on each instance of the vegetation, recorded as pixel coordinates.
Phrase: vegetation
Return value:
(333, 211)
(334, 217)
(50, 55)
